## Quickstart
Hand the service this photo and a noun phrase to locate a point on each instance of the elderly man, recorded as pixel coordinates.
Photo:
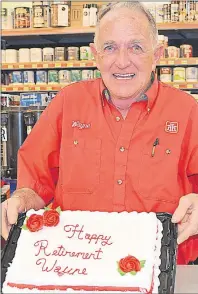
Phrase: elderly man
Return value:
(125, 142)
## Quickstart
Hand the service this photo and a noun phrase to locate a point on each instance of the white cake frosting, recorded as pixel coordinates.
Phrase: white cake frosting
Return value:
(117, 235)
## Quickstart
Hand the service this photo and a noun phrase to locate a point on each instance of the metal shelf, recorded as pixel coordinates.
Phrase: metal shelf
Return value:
(46, 65)
(91, 64)
(58, 87)
(88, 30)
(32, 88)
(82, 35)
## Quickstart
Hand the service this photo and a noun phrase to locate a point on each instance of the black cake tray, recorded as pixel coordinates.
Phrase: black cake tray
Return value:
(168, 252)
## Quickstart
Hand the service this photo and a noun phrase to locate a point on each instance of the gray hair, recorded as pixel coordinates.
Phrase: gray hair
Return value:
(131, 5)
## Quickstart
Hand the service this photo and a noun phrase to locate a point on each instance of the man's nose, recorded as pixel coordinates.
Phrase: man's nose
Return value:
(122, 59)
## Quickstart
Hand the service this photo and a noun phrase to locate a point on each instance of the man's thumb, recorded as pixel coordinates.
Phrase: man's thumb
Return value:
(181, 210)
(13, 206)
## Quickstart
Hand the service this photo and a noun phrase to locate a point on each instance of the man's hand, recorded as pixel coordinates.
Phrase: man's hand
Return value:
(186, 215)
(21, 200)
(9, 214)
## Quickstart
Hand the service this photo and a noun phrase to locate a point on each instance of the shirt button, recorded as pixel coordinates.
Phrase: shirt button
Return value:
(148, 109)
(119, 182)
(75, 142)
(118, 118)
(122, 149)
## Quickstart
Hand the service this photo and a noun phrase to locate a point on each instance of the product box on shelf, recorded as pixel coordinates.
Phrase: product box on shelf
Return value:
(34, 99)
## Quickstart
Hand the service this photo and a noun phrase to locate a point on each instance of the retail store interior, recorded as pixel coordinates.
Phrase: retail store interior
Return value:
(45, 47)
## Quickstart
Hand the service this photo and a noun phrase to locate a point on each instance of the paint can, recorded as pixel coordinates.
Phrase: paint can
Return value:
(85, 53)
(191, 74)
(41, 77)
(76, 75)
(64, 76)
(165, 74)
(36, 55)
(186, 51)
(4, 15)
(73, 53)
(159, 12)
(53, 77)
(60, 54)
(179, 74)
(41, 16)
(22, 17)
(7, 18)
(17, 77)
(24, 55)
(11, 56)
(28, 77)
(87, 74)
(3, 56)
(48, 54)
(60, 15)
(173, 52)
(97, 74)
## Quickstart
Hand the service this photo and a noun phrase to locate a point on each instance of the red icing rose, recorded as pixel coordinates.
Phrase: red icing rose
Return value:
(34, 222)
(51, 218)
(129, 264)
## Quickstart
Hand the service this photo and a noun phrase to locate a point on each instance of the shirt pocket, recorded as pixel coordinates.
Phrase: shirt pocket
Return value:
(158, 178)
(80, 161)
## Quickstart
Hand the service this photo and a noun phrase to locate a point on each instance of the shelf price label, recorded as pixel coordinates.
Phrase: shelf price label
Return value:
(171, 62)
(26, 88)
(70, 65)
(196, 61)
(49, 88)
(15, 88)
(37, 88)
(57, 64)
(163, 62)
(184, 61)
(176, 86)
(189, 86)
(21, 65)
(10, 66)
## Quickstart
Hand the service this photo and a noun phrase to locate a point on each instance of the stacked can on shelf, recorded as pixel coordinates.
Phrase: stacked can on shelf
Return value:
(179, 74)
(44, 77)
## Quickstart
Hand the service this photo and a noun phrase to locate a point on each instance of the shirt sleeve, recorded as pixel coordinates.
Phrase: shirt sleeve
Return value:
(189, 249)
(38, 157)
(192, 137)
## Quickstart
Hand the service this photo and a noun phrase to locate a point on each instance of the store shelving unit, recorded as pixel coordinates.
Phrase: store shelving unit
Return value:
(82, 36)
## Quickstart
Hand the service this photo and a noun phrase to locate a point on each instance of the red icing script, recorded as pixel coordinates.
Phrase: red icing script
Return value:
(44, 251)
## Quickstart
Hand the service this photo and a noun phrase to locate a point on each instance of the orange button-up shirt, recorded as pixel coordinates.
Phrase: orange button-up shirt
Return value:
(86, 156)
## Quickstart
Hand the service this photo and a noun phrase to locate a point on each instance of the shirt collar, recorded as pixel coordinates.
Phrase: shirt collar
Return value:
(150, 95)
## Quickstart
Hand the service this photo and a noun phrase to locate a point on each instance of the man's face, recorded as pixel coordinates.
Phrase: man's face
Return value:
(125, 52)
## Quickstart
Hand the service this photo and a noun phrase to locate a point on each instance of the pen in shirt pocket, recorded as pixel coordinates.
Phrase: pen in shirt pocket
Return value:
(154, 147)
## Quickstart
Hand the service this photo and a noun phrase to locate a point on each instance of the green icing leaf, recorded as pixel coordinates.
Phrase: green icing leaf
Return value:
(46, 208)
(58, 209)
(121, 272)
(142, 263)
(24, 227)
(133, 273)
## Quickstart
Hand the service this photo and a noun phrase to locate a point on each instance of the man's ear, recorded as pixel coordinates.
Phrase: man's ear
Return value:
(159, 51)
(95, 53)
